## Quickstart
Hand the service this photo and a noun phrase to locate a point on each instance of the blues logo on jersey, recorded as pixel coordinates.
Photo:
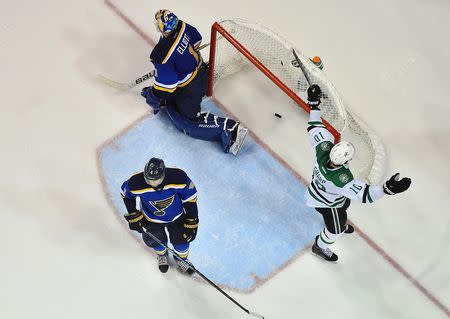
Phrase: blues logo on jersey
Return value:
(163, 204)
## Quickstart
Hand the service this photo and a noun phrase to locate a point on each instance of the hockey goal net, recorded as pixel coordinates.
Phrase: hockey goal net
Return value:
(236, 44)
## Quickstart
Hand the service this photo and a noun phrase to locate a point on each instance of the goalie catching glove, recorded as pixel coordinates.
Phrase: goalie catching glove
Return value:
(395, 185)
(133, 220)
(190, 228)
(314, 95)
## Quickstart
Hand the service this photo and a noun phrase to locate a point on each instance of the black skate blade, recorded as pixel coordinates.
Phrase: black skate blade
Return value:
(163, 269)
(323, 259)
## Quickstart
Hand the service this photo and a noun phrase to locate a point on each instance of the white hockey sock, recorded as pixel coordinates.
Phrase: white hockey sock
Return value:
(326, 238)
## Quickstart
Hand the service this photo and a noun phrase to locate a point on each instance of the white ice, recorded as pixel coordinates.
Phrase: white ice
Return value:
(65, 255)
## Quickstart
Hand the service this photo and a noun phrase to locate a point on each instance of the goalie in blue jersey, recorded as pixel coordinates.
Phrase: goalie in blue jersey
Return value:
(181, 79)
(161, 198)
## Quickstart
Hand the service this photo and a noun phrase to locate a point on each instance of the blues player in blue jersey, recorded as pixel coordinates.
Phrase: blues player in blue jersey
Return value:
(180, 83)
(161, 198)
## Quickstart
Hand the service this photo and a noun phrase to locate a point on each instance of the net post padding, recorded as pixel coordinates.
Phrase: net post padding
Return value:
(218, 28)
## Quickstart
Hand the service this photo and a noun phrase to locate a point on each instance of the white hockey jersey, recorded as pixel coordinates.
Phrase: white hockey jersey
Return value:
(330, 187)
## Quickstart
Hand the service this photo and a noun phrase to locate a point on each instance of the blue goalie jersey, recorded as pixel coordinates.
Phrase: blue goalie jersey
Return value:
(176, 59)
(163, 204)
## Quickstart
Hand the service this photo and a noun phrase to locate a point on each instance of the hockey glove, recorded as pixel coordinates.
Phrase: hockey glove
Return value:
(190, 228)
(395, 185)
(151, 99)
(314, 96)
(133, 220)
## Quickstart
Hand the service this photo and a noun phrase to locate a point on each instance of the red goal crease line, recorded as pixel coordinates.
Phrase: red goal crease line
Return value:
(217, 28)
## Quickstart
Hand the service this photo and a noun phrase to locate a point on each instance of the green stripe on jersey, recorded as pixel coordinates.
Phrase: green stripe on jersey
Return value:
(325, 241)
(316, 123)
(368, 196)
(333, 204)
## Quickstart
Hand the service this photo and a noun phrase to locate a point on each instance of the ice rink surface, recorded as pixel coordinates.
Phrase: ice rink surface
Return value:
(65, 254)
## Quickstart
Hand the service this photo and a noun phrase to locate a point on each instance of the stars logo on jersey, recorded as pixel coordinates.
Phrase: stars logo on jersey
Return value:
(344, 178)
(325, 146)
(161, 205)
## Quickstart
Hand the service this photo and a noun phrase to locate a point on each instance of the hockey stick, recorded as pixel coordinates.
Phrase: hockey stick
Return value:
(302, 67)
(139, 80)
(300, 64)
(257, 315)
(125, 86)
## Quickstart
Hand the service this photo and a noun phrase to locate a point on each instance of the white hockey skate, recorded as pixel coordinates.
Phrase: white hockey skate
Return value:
(241, 134)
(326, 254)
(183, 266)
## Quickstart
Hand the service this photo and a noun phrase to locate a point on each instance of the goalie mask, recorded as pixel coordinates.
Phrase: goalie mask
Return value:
(154, 172)
(166, 21)
(341, 153)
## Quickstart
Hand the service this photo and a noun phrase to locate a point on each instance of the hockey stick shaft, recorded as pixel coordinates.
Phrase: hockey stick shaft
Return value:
(302, 67)
(201, 275)
(139, 80)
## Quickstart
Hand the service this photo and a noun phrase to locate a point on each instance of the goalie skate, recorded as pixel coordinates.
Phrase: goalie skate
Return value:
(241, 134)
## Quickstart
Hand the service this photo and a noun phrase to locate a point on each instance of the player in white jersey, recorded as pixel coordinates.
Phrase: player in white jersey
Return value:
(333, 185)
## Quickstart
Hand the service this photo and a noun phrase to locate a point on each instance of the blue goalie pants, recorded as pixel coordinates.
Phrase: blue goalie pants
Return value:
(187, 99)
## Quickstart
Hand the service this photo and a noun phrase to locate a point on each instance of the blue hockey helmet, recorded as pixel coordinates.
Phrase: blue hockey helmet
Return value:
(154, 171)
(166, 21)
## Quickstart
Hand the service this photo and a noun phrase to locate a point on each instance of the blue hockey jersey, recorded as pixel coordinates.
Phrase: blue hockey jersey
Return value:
(176, 59)
(163, 204)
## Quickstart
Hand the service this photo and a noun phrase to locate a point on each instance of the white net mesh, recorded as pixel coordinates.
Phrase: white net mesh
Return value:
(275, 53)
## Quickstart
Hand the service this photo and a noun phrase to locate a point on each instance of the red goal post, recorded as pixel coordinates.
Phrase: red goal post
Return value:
(217, 28)
(236, 44)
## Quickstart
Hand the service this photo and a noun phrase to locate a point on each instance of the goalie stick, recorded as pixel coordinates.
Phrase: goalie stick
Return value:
(257, 315)
(126, 86)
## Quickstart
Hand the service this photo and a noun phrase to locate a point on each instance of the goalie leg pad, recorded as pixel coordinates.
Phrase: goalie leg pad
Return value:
(206, 126)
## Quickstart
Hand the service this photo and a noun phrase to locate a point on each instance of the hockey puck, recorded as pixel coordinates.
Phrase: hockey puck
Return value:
(277, 115)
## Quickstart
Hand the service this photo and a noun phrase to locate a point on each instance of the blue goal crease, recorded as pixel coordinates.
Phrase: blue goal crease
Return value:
(252, 214)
